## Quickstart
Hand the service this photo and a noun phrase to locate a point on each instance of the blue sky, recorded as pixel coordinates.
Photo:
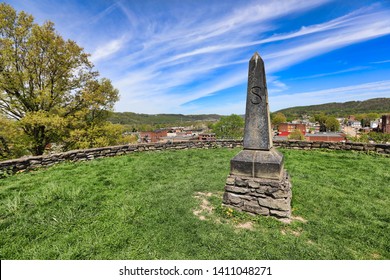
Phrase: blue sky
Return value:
(191, 57)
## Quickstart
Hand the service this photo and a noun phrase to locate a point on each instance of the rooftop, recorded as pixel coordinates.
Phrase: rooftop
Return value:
(325, 134)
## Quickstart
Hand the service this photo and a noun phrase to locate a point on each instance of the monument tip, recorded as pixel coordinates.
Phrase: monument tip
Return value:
(256, 56)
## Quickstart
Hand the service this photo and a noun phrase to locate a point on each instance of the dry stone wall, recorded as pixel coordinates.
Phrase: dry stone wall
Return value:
(34, 162)
(347, 146)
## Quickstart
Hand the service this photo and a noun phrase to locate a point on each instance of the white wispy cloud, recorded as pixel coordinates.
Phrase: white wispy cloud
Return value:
(104, 13)
(358, 29)
(166, 60)
(339, 94)
(353, 69)
(350, 20)
(382, 61)
(188, 52)
(199, 35)
(191, 51)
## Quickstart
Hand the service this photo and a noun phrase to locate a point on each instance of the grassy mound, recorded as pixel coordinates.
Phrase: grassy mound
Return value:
(167, 205)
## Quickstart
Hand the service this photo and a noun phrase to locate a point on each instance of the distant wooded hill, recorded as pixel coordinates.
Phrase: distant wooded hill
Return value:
(129, 118)
(375, 105)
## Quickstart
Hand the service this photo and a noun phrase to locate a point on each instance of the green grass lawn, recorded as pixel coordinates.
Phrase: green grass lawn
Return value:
(167, 205)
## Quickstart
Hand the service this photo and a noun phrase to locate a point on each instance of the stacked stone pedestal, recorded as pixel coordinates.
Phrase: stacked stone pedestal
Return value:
(260, 196)
(259, 184)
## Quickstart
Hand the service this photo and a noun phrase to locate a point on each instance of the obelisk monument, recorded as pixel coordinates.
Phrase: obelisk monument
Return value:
(257, 119)
(258, 182)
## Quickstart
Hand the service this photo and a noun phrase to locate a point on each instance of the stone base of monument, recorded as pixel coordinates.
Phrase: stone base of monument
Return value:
(258, 164)
(268, 197)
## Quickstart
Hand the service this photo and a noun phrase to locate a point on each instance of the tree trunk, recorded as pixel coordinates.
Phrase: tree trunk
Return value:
(39, 141)
(5, 150)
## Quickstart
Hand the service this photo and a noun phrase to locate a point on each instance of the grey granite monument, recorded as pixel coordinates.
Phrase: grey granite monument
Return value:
(258, 182)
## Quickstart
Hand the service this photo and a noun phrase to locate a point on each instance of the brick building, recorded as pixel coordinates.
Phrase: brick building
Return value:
(284, 129)
(326, 137)
(207, 136)
(153, 136)
(386, 123)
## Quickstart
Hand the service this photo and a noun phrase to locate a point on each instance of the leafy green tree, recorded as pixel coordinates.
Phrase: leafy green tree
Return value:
(229, 127)
(360, 117)
(376, 137)
(107, 134)
(365, 122)
(278, 118)
(327, 123)
(365, 119)
(332, 124)
(379, 137)
(12, 139)
(312, 119)
(296, 135)
(373, 116)
(47, 84)
(321, 119)
(364, 138)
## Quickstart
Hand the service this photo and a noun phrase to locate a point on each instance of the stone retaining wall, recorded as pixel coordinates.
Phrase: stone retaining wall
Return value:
(34, 162)
(308, 145)
(29, 163)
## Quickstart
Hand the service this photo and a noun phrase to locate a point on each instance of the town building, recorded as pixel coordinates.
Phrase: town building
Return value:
(173, 134)
(325, 137)
(284, 129)
(207, 136)
(153, 136)
(386, 123)
(355, 124)
(374, 124)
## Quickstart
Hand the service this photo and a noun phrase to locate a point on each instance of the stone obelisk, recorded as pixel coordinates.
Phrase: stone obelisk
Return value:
(258, 182)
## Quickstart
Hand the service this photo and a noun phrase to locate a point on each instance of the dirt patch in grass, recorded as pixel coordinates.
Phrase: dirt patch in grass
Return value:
(205, 209)
(287, 231)
(298, 218)
(291, 232)
(247, 225)
(375, 256)
(293, 218)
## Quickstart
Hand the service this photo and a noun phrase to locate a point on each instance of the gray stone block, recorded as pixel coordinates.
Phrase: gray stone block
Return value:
(280, 214)
(255, 208)
(230, 180)
(239, 182)
(257, 164)
(229, 198)
(239, 190)
(277, 204)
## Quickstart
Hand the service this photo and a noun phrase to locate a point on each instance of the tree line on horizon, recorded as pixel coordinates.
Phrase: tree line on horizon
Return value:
(379, 106)
(360, 109)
